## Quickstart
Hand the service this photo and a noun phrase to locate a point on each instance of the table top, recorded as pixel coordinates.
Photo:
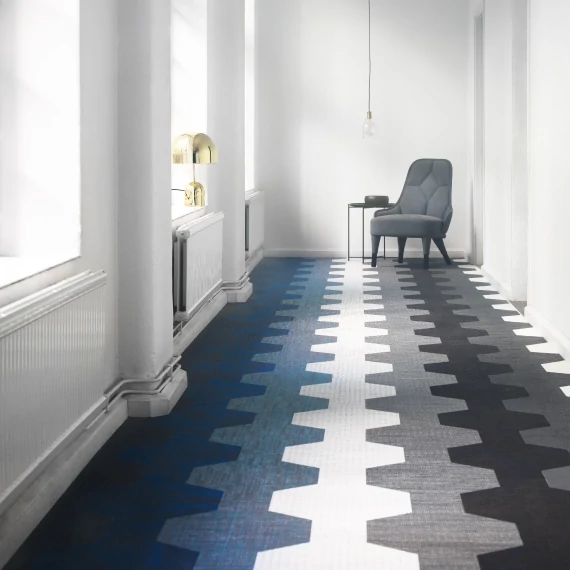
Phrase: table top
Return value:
(364, 205)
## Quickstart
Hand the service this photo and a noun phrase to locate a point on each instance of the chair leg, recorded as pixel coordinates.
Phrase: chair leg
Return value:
(427, 244)
(442, 249)
(375, 247)
(401, 248)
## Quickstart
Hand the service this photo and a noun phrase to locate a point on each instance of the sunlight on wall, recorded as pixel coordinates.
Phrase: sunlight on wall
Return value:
(40, 191)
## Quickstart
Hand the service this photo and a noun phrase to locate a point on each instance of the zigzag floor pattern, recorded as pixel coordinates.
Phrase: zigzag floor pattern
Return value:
(111, 516)
(342, 502)
(543, 373)
(438, 529)
(242, 517)
(522, 496)
(545, 544)
(343, 418)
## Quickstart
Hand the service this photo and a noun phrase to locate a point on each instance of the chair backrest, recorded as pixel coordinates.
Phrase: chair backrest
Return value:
(427, 190)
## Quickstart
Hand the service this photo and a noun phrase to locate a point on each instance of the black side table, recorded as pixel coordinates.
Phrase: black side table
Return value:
(363, 206)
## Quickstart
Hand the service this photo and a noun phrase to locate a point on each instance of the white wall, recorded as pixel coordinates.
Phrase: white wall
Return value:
(506, 141)
(474, 248)
(505, 256)
(98, 57)
(498, 140)
(249, 95)
(312, 78)
(39, 130)
(226, 124)
(98, 169)
(520, 164)
(549, 229)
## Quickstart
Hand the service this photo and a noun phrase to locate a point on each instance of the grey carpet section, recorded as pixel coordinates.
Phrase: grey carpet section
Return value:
(515, 406)
(438, 529)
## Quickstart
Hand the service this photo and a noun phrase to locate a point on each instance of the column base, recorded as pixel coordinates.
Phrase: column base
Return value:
(155, 405)
(238, 291)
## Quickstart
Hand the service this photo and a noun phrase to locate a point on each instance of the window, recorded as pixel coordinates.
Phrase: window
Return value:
(189, 89)
(249, 94)
(40, 184)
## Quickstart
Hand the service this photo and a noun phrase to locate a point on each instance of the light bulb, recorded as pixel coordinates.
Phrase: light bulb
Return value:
(368, 128)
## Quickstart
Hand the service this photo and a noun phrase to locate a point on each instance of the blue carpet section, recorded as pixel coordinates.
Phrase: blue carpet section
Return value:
(231, 536)
(112, 515)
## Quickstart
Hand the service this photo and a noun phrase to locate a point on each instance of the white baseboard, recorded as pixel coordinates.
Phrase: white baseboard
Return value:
(503, 289)
(253, 260)
(26, 512)
(240, 295)
(238, 291)
(339, 254)
(548, 331)
(156, 405)
(192, 328)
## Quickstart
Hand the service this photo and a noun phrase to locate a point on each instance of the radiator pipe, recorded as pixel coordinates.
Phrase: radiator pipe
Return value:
(113, 395)
(235, 285)
(110, 395)
(149, 392)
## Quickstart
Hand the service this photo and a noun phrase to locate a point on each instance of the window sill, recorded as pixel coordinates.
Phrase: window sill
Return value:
(179, 211)
(252, 194)
(16, 269)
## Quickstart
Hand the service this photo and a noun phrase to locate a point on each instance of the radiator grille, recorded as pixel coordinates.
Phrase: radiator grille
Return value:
(198, 263)
(255, 227)
(52, 371)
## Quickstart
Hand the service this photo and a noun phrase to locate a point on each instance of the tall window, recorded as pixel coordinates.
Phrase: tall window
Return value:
(40, 185)
(249, 93)
(189, 87)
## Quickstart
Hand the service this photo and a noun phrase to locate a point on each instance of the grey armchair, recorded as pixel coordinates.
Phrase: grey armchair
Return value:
(422, 211)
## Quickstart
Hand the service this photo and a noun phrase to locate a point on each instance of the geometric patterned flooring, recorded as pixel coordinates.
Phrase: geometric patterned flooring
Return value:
(343, 418)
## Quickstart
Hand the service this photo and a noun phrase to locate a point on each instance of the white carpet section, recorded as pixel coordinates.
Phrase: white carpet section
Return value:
(561, 367)
(340, 505)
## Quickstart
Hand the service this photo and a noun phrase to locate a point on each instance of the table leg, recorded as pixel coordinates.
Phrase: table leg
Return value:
(384, 247)
(362, 235)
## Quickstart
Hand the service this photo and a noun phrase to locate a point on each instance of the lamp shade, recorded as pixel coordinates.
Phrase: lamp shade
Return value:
(195, 148)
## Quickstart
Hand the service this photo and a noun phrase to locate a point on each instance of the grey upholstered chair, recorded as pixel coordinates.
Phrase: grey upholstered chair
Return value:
(422, 211)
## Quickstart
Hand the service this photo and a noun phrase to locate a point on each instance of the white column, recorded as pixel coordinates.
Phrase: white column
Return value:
(145, 239)
(519, 196)
(226, 126)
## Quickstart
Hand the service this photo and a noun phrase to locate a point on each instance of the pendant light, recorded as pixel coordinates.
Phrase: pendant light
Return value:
(368, 128)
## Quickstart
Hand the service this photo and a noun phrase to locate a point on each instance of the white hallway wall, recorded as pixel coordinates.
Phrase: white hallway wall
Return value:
(98, 170)
(549, 206)
(527, 53)
(311, 94)
(99, 242)
(498, 94)
(506, 142)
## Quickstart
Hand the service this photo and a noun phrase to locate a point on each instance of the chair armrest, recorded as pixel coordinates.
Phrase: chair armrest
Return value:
(447, 219)
(388, 212)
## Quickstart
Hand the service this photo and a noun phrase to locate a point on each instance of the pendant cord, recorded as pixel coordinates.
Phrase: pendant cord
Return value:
(369, 53)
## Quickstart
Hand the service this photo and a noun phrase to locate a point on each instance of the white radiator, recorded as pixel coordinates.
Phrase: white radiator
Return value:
(197, 264)
(254, 222)
(52, 374)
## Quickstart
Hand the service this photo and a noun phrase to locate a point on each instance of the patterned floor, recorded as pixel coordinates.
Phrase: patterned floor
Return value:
(343, 418)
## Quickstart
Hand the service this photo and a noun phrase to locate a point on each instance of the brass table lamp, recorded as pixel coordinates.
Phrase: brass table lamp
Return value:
(194, 149)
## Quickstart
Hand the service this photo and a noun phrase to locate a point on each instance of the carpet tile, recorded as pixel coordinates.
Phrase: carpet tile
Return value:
(343, 418)
(243, 517)
(437, 529)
